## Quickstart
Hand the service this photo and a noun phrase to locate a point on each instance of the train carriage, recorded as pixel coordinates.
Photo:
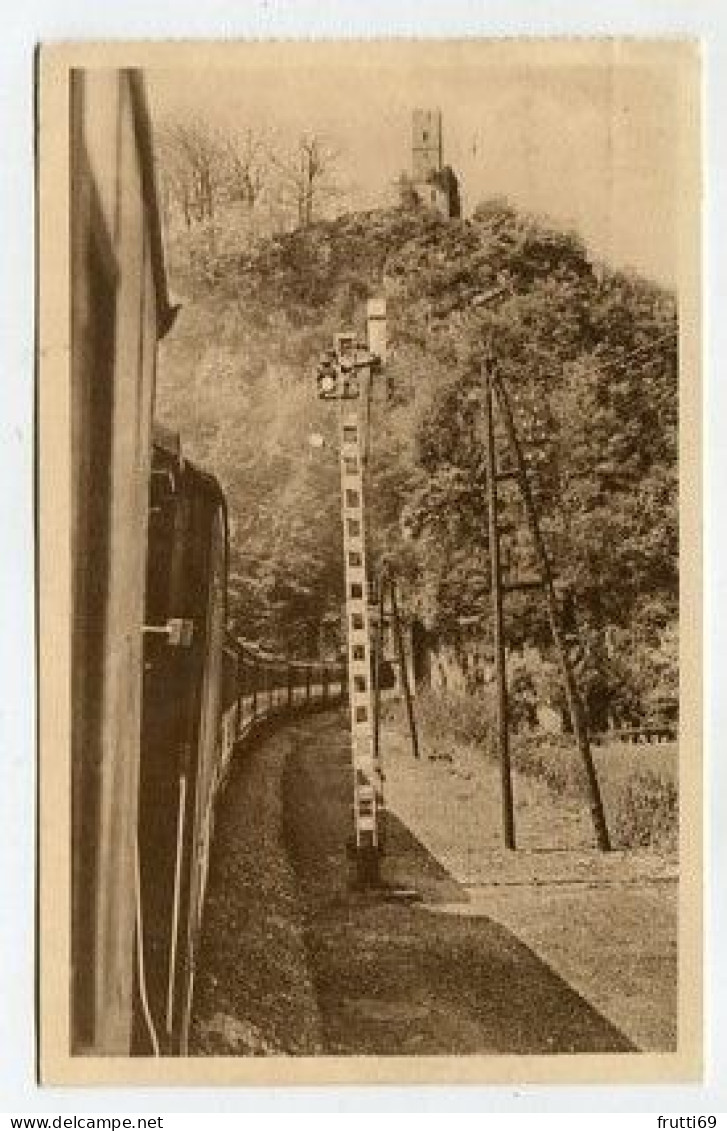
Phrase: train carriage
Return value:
(185, 621)
(160, 694)
(119, 310)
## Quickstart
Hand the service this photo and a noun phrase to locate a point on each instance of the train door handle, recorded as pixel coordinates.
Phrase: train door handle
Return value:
(178, 631)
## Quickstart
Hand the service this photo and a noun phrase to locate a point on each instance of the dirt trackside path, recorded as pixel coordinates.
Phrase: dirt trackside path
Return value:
(581, 911)
(392, 978)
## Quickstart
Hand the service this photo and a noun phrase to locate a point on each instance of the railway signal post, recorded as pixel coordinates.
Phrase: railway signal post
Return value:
(344, 375)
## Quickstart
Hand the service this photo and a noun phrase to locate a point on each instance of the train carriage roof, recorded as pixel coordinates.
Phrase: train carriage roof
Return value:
(166, 311)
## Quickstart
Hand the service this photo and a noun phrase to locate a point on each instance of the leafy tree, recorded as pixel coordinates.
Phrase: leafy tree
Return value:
(589, 360)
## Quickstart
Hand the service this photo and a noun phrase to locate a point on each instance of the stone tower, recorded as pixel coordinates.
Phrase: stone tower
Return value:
(432, 185)
(426, 144)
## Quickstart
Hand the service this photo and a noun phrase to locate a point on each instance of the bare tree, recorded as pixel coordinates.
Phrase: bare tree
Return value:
(247, 167)
(204, 171)
(308, 175)
(190, 160)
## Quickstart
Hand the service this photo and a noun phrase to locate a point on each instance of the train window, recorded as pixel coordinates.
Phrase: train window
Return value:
(350, 434)
(355, 559)
(350, 464)
(357, 621)
(353, 499)
(361, 714)
(359, 652)
(357, 591)
(359, 683)
(354, 528)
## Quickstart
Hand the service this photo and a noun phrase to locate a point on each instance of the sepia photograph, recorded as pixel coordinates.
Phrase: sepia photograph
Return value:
(369, 525)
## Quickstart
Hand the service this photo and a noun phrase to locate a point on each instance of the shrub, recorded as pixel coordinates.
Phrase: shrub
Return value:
(449, 720)
(638, 783)
(645, 812)
(553, 759)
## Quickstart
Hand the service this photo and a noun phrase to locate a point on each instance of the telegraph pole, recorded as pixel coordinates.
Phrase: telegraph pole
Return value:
(377, 667)
(546, 583)
(501, 713)
(403, 672)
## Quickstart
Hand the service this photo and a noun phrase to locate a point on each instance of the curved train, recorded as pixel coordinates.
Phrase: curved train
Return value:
(161, 695)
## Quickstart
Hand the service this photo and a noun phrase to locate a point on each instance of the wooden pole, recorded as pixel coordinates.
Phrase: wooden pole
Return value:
(402, 669)
(378, 652)
(574, 703)
(502, 728)
(244, 685)
(378, 655)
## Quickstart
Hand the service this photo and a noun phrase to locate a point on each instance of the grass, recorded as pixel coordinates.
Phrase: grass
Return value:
(449, 721)
(640, 787)
(639, 783)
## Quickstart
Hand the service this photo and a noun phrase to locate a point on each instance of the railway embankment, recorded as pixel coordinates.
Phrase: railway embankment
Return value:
(254, 995)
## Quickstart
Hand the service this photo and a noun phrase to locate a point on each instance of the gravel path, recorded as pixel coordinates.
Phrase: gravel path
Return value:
(582, 911)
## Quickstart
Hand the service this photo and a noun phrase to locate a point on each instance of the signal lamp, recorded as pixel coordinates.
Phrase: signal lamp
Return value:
(327, 381)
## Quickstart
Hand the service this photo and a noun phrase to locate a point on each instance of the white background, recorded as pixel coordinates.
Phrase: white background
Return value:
(25, 24)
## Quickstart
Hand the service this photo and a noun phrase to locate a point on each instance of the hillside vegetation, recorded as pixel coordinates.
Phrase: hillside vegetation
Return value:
(589, 353)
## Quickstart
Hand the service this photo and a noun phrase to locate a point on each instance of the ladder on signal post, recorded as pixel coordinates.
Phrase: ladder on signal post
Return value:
(367, 783)
(345, 375)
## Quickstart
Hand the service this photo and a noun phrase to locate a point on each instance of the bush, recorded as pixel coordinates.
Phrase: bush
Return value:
(638, 783)
(641, 801)
(553, 759)
(449, 720)
(645, 813)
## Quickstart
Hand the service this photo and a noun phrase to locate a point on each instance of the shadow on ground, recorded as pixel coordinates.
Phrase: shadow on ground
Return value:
(391, 978)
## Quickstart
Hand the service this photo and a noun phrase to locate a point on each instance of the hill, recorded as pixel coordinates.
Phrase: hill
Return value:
(590, 354)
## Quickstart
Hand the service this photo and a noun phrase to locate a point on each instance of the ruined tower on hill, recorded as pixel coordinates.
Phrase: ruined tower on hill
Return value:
(426, 144)
(431, 184)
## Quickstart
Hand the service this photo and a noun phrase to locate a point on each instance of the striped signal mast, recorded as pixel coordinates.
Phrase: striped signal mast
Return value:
(345, 375)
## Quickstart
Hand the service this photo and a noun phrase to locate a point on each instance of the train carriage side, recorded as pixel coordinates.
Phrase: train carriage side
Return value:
(181, 735)
(118, 310)
(159, 693)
